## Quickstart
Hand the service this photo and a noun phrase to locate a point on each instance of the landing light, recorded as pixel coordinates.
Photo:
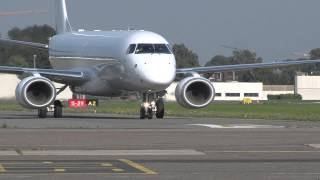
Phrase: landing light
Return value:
(146, 105)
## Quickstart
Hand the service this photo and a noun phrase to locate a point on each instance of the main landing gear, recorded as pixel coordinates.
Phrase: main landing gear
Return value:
(152, 105)
(56, 108)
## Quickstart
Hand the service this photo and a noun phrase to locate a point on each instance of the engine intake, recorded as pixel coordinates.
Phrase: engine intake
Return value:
(195, 92)
(35, 92)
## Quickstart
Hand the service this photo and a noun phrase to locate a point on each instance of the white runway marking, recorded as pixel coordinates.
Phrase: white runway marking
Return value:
(288, 151)
(317, 146)
(8, 153)
(236, 126)
(182, 152)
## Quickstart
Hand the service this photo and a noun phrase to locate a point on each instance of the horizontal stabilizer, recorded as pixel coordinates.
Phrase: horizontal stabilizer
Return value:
(24, 44)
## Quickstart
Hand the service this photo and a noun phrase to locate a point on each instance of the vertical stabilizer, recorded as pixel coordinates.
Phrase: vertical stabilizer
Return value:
(62, 22)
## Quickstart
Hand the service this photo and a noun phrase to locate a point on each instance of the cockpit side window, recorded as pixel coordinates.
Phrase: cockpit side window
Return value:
(131, 48)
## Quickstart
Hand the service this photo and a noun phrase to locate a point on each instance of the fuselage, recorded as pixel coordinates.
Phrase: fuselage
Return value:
(115, 61)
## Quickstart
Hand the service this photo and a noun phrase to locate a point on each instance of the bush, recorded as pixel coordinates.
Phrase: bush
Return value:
(285, 97)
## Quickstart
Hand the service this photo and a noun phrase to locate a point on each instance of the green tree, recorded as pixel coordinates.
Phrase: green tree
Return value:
(246, 57)
(266, 75)
(36, 33)
(219, 60)
(312, 69)
(315, 53)
(185, 57)
(39, 34)
(17, 60)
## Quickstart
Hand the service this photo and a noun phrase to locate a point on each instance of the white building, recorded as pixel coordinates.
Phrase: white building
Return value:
(237, 91)
(308, 87)
(10, 82)
(8, 86)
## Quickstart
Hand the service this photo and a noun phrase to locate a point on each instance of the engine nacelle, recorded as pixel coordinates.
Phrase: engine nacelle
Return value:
(195, 92)
(35, 92)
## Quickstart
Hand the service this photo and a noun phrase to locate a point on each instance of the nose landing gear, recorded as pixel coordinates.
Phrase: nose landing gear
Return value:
(152, 104)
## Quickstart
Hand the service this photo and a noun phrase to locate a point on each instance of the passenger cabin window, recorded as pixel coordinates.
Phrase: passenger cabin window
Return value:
(131, 48)
(152, 48)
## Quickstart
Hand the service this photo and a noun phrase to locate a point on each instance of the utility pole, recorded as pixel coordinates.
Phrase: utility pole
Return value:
(34, 61)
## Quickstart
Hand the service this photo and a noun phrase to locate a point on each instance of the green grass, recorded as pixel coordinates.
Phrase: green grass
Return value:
(273, 110)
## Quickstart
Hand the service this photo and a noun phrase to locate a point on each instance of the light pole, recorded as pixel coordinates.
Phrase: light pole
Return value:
(34, 61)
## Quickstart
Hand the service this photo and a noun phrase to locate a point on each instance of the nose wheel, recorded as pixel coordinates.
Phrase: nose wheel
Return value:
(160, 109)
(152, 105)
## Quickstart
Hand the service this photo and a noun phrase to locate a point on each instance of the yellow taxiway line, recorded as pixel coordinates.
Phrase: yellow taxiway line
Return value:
(59, 170)
(2, 169)
(139, 167)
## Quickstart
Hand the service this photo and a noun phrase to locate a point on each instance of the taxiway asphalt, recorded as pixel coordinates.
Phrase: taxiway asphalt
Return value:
(88, 146)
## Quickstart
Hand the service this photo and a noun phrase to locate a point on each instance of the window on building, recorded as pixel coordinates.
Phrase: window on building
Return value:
(218, 94)
(251, 94)
(233, 94)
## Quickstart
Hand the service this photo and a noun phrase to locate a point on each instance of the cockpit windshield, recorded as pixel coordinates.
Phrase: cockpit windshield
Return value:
(152, 48)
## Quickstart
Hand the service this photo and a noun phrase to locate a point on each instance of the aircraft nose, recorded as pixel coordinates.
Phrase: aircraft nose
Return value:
(159, 72)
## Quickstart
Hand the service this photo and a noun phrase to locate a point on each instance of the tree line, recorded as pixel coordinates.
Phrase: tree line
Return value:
(23, 57)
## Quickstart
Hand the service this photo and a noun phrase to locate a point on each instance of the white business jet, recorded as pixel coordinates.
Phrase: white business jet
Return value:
(108, 63)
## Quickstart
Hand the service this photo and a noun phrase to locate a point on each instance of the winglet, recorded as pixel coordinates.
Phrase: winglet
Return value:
(62, 21)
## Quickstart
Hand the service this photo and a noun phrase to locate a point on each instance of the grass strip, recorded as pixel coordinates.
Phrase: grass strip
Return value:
(271, 110)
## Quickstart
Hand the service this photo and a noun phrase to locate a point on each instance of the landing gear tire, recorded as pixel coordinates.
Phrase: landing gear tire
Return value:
(57, 112)
(42, 113)
(160, 109)
(57, 109)
(142, 113)
(150, 113)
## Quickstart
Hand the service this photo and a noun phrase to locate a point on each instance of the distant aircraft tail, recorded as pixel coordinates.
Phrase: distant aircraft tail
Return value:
(62, 21)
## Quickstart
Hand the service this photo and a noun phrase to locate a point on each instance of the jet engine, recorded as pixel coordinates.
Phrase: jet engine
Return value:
(195, 92)
(35, 92)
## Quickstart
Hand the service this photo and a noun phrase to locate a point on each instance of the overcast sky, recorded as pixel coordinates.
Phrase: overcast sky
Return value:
(275, 29)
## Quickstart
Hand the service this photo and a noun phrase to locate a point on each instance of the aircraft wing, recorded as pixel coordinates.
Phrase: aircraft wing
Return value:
(69, 77)
(24, 44)
(238, 67)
